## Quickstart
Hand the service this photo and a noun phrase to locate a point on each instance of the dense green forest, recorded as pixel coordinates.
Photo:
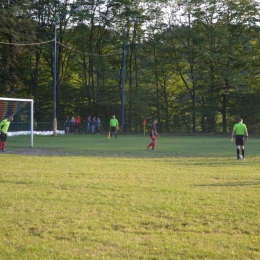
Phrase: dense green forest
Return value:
(193, 65)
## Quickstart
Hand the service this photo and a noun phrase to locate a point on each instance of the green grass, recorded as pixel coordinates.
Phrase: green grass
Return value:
(103, 198)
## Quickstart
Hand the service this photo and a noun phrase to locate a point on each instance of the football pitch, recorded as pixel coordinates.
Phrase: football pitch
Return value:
(91, 197)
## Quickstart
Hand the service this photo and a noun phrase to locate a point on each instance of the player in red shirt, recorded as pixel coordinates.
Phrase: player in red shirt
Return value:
(153, 135)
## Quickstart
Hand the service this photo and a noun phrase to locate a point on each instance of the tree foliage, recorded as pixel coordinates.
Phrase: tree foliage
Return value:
(193, 65)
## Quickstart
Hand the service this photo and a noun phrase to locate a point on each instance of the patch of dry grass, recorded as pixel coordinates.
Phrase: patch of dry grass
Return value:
(127, 203)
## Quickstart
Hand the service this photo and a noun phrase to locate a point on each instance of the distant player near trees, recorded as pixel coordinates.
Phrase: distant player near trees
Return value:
(241, 133)
(113, 125)
(153, 135)
(4, 125)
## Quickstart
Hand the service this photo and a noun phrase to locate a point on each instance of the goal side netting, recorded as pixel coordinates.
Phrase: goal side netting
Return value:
(22, 112)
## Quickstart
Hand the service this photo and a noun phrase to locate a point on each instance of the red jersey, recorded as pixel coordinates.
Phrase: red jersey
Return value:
(77, 120)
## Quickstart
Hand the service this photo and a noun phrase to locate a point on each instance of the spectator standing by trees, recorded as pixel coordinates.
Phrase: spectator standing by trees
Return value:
(67, 125)
(88, 124)
(93, 124)
(72, 121)
(98, 123)
(77, 124)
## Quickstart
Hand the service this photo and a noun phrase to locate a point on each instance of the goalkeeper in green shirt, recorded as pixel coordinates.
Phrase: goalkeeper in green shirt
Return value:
(241, 133)
(4, 125)
(113, 125)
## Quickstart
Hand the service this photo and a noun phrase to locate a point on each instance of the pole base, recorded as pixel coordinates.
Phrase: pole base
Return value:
(54, 127)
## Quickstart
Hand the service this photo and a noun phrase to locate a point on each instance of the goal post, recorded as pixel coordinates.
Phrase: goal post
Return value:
(12, 112)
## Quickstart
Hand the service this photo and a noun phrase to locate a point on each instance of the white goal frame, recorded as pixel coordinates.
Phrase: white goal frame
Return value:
(24, 100)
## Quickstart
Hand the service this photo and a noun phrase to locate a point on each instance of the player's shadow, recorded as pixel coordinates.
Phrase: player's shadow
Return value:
(229, 184)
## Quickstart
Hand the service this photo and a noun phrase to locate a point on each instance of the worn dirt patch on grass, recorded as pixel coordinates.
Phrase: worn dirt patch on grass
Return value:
(36, 152)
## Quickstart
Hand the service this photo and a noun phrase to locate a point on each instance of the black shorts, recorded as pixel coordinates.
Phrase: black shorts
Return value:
(113, 129)
(240, 140)
(3, 137)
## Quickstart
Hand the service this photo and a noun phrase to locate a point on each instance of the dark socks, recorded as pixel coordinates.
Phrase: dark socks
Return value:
(238, 153)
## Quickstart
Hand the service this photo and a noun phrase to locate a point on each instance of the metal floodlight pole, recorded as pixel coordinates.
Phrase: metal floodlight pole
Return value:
(55, 69)
(123, 80)
(123, 74)
(54, 81)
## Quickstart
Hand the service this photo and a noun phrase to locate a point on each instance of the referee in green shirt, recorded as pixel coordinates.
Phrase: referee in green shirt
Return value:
(113, 125)
(241, 132)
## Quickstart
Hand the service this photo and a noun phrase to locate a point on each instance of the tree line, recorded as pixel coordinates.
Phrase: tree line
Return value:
(193, 65)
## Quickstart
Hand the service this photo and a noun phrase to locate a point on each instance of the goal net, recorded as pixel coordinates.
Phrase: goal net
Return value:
(22, 112)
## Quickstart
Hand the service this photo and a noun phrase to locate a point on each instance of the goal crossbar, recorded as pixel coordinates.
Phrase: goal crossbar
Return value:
(31, 114)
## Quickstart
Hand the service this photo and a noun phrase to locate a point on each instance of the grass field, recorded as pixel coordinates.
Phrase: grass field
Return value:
(90, 197)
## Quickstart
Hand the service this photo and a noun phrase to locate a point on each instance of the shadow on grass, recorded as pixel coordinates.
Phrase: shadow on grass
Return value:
(229, 184)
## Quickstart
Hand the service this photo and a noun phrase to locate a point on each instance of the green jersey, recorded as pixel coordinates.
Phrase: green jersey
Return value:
(113, 122)
(4, 125)
(240, 128)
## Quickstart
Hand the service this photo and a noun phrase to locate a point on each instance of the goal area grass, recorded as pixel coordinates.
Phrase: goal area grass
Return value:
(91, 197)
